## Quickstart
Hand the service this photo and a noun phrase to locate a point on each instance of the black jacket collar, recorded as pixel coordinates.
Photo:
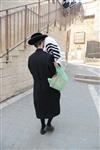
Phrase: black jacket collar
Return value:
(39, 49)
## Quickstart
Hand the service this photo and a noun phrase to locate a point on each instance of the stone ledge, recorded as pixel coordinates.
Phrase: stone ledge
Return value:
(87, 78)
(4, 98)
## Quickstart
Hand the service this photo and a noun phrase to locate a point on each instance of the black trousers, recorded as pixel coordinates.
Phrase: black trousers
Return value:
(43, 122)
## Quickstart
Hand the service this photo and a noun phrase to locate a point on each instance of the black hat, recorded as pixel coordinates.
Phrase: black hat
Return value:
(36, 37)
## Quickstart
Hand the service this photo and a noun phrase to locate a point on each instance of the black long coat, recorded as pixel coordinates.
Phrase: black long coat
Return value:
(46, 99)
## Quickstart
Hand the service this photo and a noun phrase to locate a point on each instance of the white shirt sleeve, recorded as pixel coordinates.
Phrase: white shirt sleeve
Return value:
(52, 47)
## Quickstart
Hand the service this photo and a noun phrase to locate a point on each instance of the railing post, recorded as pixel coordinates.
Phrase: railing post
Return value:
(6, 36)
(55, 15)
(53, 1)
(0, 37)
(38, 15)
(48, 16)
(65, 22)
(25, 27)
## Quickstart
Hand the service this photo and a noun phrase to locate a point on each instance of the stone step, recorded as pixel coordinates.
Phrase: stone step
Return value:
(14, 53)
(87, 78)
(3, 62)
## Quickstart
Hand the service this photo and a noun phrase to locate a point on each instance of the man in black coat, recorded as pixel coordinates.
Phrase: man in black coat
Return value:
(46, 99)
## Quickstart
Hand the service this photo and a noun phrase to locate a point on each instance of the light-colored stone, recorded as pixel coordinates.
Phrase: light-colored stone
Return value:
(89, 25)
(15, 75)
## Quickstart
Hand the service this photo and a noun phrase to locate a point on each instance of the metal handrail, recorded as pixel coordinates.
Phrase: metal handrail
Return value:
(22, 5)
(18, 6)
(41, 15)
(9, 25)
(29, 14)
(34, 12)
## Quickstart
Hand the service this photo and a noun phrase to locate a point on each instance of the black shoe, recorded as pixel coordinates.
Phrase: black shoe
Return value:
(49, 128)
(43, 131)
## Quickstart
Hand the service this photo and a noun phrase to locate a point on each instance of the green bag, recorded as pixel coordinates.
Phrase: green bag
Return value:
(59, 80)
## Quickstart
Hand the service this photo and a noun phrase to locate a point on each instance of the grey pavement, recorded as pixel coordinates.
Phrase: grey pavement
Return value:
(87, 78)
(86, 73)
(76, 128)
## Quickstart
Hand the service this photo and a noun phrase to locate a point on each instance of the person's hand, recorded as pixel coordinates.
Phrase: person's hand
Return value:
(56, 64)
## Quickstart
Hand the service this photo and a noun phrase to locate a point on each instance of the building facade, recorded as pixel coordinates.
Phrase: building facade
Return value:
(83, 35)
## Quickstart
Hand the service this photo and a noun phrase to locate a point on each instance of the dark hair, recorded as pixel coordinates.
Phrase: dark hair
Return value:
(38, 43)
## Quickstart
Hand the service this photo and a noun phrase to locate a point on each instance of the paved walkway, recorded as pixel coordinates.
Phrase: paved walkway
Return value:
(75, 129)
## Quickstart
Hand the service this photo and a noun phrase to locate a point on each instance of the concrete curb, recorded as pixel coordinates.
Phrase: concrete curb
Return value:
(15, 98)
(87, 78)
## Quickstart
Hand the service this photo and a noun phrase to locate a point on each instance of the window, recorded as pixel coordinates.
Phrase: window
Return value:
(79, 38)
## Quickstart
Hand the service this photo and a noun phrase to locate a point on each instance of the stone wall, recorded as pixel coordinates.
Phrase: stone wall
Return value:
(78, 50)
(14, 76)
(90, 25)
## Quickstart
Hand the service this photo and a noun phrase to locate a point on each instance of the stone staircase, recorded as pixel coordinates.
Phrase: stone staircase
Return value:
(14, 75)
